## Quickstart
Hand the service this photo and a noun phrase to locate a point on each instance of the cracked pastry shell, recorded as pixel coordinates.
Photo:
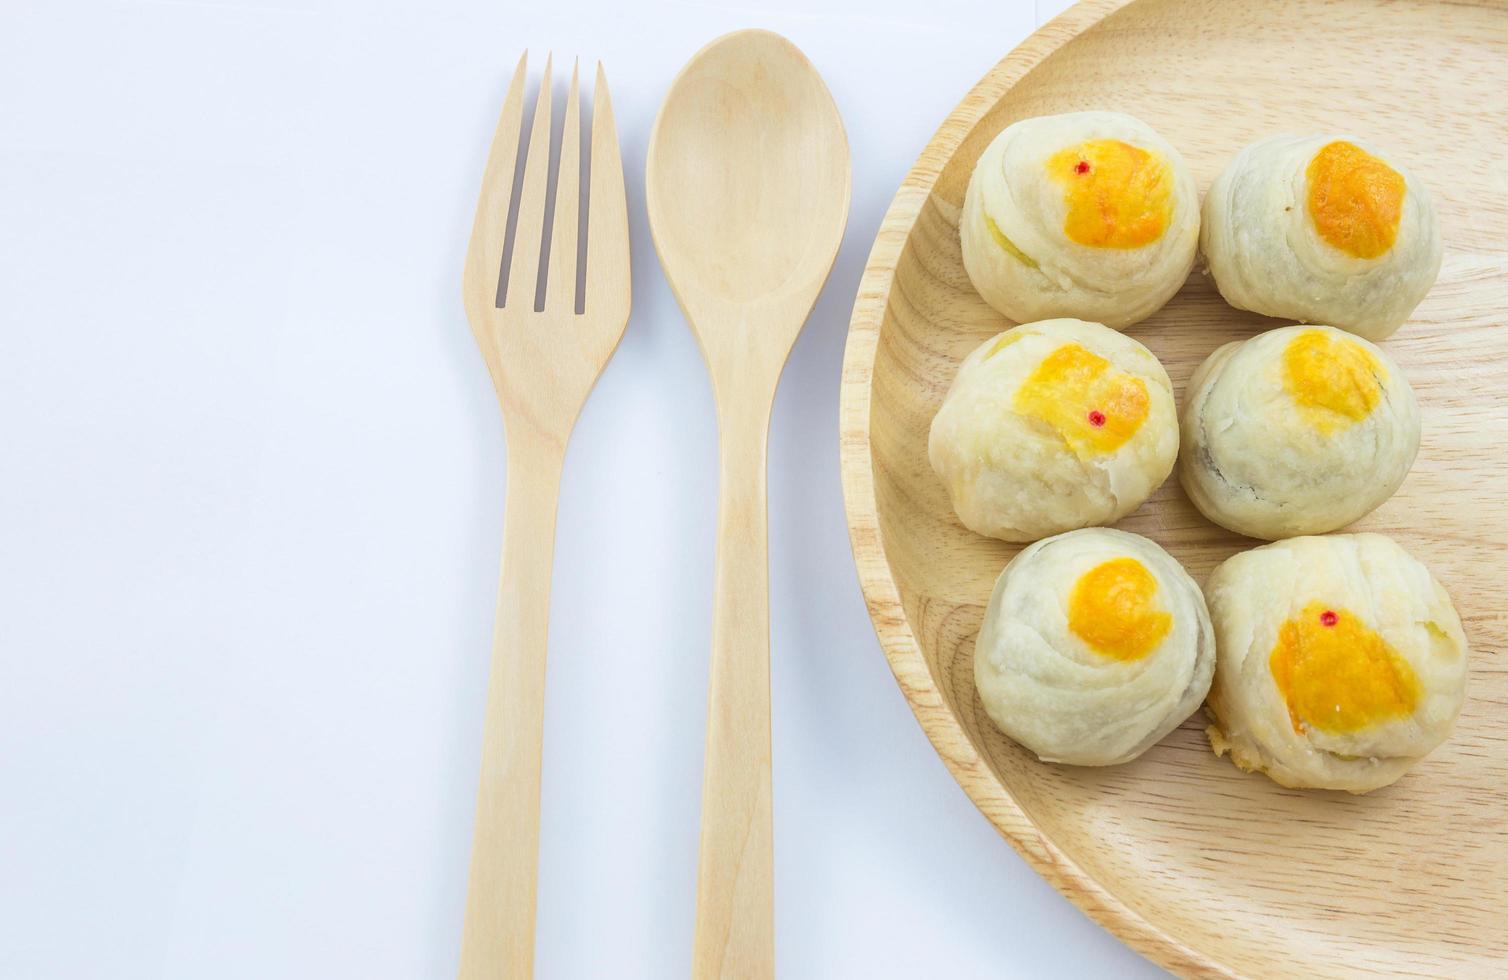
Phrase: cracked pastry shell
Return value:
(1299, 430)
(1341, 661)
(1085, 214)
(1052, 426)
(1321, 229)
(1095, 644)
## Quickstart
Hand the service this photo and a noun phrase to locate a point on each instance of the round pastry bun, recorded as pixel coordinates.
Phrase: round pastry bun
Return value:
(1341, 661)
(1299, 430)
(1085, 214)
(1052, 426)
(1321, 229)
(1095, 644)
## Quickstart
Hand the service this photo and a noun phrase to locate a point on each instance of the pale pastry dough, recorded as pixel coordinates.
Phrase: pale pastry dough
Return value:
(1051, 426)
(1321, 229)
(1299, 430)
(1086, 214)
(1341, 661)
(1096, 644)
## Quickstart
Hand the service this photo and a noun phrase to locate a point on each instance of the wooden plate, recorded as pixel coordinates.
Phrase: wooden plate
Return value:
(1202, 868)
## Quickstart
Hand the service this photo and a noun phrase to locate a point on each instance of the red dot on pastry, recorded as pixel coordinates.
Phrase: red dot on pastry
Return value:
(1082, 167)
(1096, 418)
(1328, 618)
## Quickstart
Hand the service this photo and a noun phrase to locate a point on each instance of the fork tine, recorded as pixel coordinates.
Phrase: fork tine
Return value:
(529, 231)
(607, 285)
(484, 256)
(560, 282)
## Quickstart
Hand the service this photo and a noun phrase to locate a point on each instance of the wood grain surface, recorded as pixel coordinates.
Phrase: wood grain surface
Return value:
(1203, 868)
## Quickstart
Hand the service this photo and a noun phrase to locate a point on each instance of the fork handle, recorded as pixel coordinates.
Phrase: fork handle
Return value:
(735, 907)
(498, 937)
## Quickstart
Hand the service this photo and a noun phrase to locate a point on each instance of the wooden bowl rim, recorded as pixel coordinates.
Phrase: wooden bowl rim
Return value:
(881, 594)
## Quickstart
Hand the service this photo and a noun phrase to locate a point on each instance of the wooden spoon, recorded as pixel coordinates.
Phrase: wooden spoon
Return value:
(748, 190)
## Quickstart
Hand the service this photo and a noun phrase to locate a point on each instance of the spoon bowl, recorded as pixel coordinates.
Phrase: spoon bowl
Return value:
(748, 185)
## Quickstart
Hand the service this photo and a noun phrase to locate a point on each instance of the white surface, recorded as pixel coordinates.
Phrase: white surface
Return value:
(251, 497)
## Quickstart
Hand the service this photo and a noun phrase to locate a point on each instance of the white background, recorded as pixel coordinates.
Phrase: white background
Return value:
(251, 477)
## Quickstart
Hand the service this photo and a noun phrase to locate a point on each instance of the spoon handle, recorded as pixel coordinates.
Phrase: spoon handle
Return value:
(735, 907)
(498, 937)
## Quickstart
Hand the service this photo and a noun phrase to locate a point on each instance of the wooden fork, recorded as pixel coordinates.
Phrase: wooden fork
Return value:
(544, 358)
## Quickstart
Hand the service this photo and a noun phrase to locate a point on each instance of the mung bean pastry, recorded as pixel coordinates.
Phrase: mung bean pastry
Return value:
(1321, 229)
(1085, 214)
(1299, 430)
(1095, 644)
(1052, 426)
(1341, 661)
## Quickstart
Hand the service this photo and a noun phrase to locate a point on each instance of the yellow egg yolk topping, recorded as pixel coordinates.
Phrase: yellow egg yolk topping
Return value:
(1093, 405)
(1338, 675)
(1355, 199)
(1335, 382)
(1111, 609)
(1118, 195)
